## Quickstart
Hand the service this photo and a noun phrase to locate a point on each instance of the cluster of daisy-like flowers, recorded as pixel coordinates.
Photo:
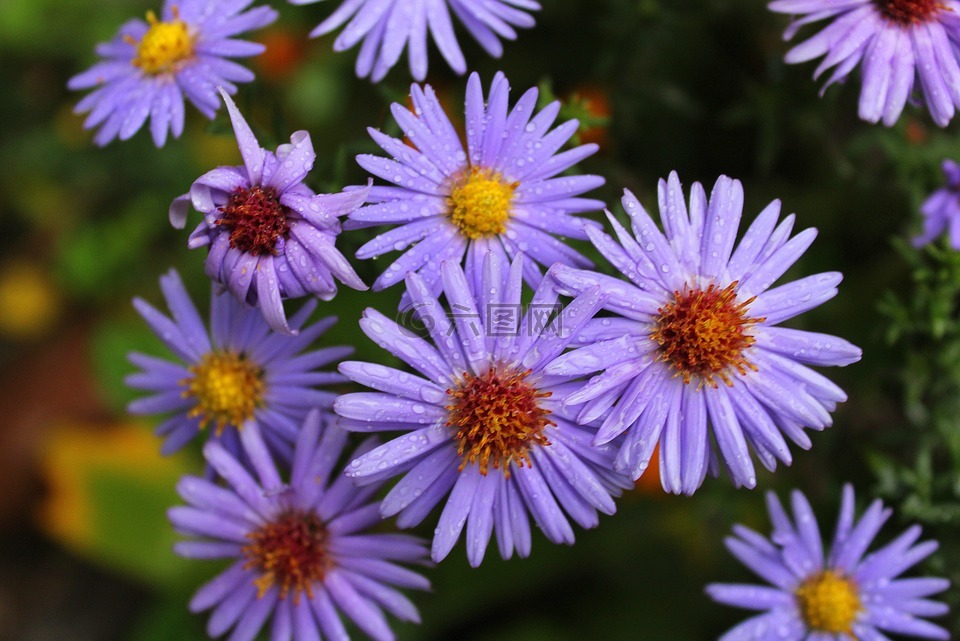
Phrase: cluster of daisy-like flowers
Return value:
(538, 387)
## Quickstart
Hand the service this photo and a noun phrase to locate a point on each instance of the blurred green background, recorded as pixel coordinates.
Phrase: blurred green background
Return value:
(696, 86)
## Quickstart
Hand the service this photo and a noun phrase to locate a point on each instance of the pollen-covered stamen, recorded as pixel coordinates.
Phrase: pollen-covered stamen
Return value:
(498, 418)
(227, 387)
(910, 12)
(703, 334)
(479, 203)
(164, 45)
(829, 602)
(289, 552)
(256, 219)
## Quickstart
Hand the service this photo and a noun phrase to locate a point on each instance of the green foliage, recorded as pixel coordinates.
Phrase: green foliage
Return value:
(920, 468)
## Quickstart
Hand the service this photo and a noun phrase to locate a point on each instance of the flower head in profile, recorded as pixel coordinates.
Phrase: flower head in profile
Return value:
(269, 236)
(899, 45)
(941, 211)
(692, 353)
(300, 550)
(501, 194)
(149, 67)
(233, 375)
(837, 594)
(387, 27)
(487, 432)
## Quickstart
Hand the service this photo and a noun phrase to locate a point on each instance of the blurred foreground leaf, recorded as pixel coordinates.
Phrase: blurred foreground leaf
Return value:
(108, 492)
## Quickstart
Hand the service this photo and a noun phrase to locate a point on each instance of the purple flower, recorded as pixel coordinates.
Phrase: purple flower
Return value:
(150, 66)
(693, 347)
(485, 424)
(299, 548)
(387, 27)
(834, 595)
(941, 211)
(270, 236)
(502, 194)
(237, 375)
(898, 41)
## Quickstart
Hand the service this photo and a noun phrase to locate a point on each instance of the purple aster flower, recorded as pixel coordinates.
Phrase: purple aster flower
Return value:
(237, 374)
(387, 27)
(150, 66)
(835, 595)
(299, 548)
(693, 348)
(502, 194)
(941, 211)
(270, 236)
(485, 424)
(898, 42)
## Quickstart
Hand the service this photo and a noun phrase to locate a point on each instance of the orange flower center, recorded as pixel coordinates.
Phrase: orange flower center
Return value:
(228, 388)
(498, 418)
(702, 334)
(290, 552)
(829, 602)
(908, 12)
(256, 219)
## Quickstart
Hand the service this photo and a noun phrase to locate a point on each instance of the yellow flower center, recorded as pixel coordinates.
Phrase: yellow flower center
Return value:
(479, 203)
(290, 552)
(829, 602)
(498, 418)
(227, 387)
(164, 45)
(702, 334)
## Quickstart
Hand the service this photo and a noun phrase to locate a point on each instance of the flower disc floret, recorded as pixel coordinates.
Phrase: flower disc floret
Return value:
(829, 602)
(480, 203)
(909, 11)
(498, 418)
(255, 220)
(289, 552)
(164, 45)
(702, 334)
(227, 388)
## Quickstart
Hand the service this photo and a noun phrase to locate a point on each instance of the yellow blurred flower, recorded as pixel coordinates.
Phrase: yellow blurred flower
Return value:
(29, 302)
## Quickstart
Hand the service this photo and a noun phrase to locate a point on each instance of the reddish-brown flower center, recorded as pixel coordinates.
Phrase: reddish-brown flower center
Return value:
(702, 334)
(290, 552)
(907, 12)
(498, 418)
(256, 219)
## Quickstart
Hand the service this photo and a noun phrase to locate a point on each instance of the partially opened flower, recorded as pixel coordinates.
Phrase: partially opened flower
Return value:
(692, 354)
(835, 595)
(899, 45)
(387, 27)
(487, 432)
(941, 211)
(270, 237)
(300, 549)
(151, 66)
(502, 194)
(237, 373)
